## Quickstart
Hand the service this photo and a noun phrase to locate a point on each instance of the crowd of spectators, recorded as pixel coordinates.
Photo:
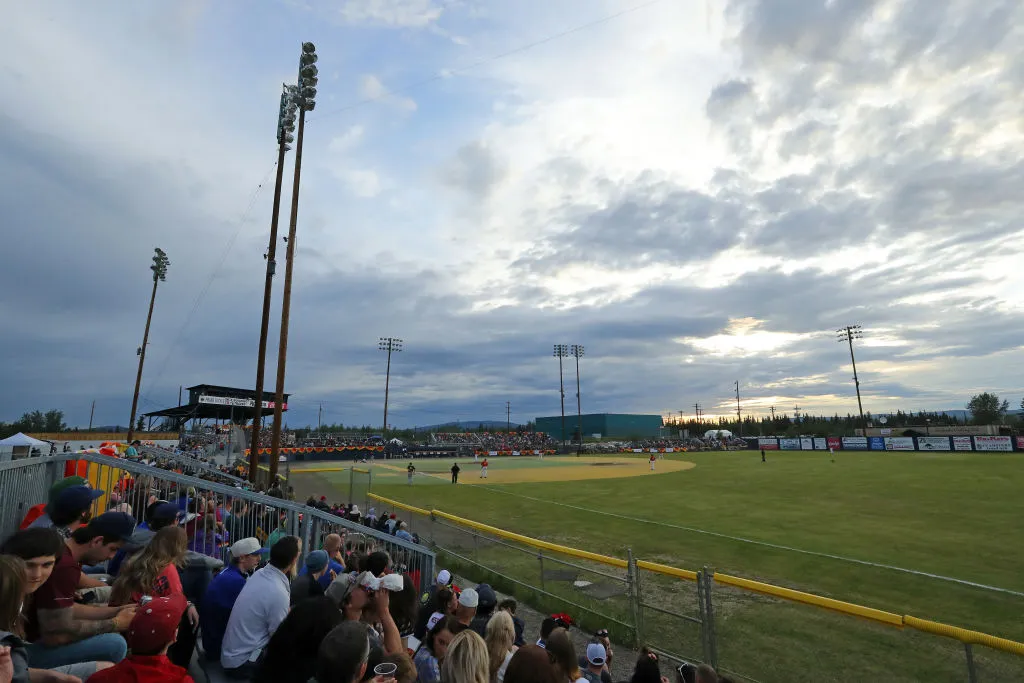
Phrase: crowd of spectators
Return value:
(460, 438)
(513, 441)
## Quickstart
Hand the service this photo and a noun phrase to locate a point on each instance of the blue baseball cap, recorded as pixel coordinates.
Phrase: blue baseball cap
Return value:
(75, 499)
(114, 525)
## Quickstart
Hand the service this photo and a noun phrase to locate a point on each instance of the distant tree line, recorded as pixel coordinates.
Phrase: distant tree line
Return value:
(35, 421)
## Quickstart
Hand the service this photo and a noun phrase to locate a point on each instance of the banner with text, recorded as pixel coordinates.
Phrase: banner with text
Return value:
(899, 443)
(855, 443)
(933, 443)
(993, 443)
(834, 442)
(789, 444)
(236, 402)
(807, 444)
(876, 443)
(962, 443)
(820, 443)
(768, 444)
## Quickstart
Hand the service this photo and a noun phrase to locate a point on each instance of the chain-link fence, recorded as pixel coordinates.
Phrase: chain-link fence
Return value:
(359, 487)
(215, 514)
(747, 629)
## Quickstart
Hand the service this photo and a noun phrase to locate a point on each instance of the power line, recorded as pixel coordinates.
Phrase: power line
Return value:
(213, 276)
(487, 60)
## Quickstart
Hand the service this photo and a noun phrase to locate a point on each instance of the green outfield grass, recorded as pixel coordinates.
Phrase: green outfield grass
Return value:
(952, 515)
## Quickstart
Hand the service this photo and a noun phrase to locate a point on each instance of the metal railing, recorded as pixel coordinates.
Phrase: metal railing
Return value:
(218, 514)
(189, 464)
(688, 615)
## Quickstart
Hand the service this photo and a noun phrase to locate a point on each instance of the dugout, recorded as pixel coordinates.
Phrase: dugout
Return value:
(606, 425)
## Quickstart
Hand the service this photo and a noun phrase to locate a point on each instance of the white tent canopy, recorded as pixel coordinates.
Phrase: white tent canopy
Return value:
(21, 445)
(718, 434)
(21, 439)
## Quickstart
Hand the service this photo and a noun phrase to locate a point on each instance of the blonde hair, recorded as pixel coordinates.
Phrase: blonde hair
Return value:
(139, 574)
(466, 660)
(12, 592)
(501, 634)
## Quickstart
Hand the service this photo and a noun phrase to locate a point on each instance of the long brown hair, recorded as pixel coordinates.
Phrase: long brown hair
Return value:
(560, 645)
(139, 574)
(12, 592)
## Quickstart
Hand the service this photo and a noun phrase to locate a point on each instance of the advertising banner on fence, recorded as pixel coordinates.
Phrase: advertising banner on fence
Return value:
(993, 443)
(1020, 443)
(855, 443)
(789, 444)
(876, 443)
(834, 442)
(962, 443)
(638, 450)
(820, 443)
(807, 444)
(933, 443)
(899, 443)
(670, 450)
(768, 444)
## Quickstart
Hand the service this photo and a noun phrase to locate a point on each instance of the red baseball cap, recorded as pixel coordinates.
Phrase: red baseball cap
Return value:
(155, 624)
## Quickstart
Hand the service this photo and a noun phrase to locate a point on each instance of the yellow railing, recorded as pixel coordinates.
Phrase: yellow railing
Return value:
(877, 616)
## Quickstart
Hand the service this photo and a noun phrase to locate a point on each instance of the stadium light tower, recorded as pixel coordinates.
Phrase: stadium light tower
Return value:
(848, 334)
(285, 128)
(304, 95)
(389, 344)
(159, 268)
(561, 351)
(577, 351)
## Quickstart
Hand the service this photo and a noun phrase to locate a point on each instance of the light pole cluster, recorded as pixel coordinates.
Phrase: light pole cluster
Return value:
(300, 97)
(390, 345)
(577, 351)
(561, 351)
(159, 268)
(848, 334)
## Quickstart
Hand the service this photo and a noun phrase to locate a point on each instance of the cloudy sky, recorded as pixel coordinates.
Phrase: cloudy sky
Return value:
(697, 191)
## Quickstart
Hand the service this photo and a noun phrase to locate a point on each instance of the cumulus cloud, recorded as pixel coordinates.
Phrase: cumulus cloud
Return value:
(694, 211)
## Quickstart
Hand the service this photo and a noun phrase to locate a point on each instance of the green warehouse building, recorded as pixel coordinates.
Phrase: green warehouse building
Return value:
(608, 425)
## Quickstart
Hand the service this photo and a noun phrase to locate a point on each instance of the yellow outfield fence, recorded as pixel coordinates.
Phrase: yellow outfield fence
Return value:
(704, 580)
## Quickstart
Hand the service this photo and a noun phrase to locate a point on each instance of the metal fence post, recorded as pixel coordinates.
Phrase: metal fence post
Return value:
(635, 598)
(540, 561)
(369, 485)
(972, 674)
(709, 616)
(351, 484)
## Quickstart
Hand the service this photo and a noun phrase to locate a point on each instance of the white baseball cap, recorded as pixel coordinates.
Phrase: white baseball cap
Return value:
(444, 578)
(469, 598)
(246, 546)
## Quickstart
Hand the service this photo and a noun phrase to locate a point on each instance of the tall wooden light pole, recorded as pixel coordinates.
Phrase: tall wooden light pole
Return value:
(285, 126)
(305, 96)
(561, 351)
(159, 268)
(391, 345)
(848, 334)
(577, 351)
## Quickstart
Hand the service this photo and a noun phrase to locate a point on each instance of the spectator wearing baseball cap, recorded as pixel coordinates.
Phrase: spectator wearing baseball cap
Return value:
(596, 658)
(153, 630)
(307, 585)
(222, 593)
(488, 600)
(69, 509)
(469, 600)
(37, 511)
(60, 635)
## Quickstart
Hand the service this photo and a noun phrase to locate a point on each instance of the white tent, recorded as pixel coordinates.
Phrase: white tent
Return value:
(718, 434)
(22, 445)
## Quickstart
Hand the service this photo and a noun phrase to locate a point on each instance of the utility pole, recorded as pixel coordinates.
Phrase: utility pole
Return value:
(285, 126)
(561, 351)
(696, 409)
(319, 418)
(848, 334)
(92, 411)
(796, 414)
(773, 419)
(739, 415)
(305, 94)
(577, 352)
(508, 417)
(159, 268)
(389, 344)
